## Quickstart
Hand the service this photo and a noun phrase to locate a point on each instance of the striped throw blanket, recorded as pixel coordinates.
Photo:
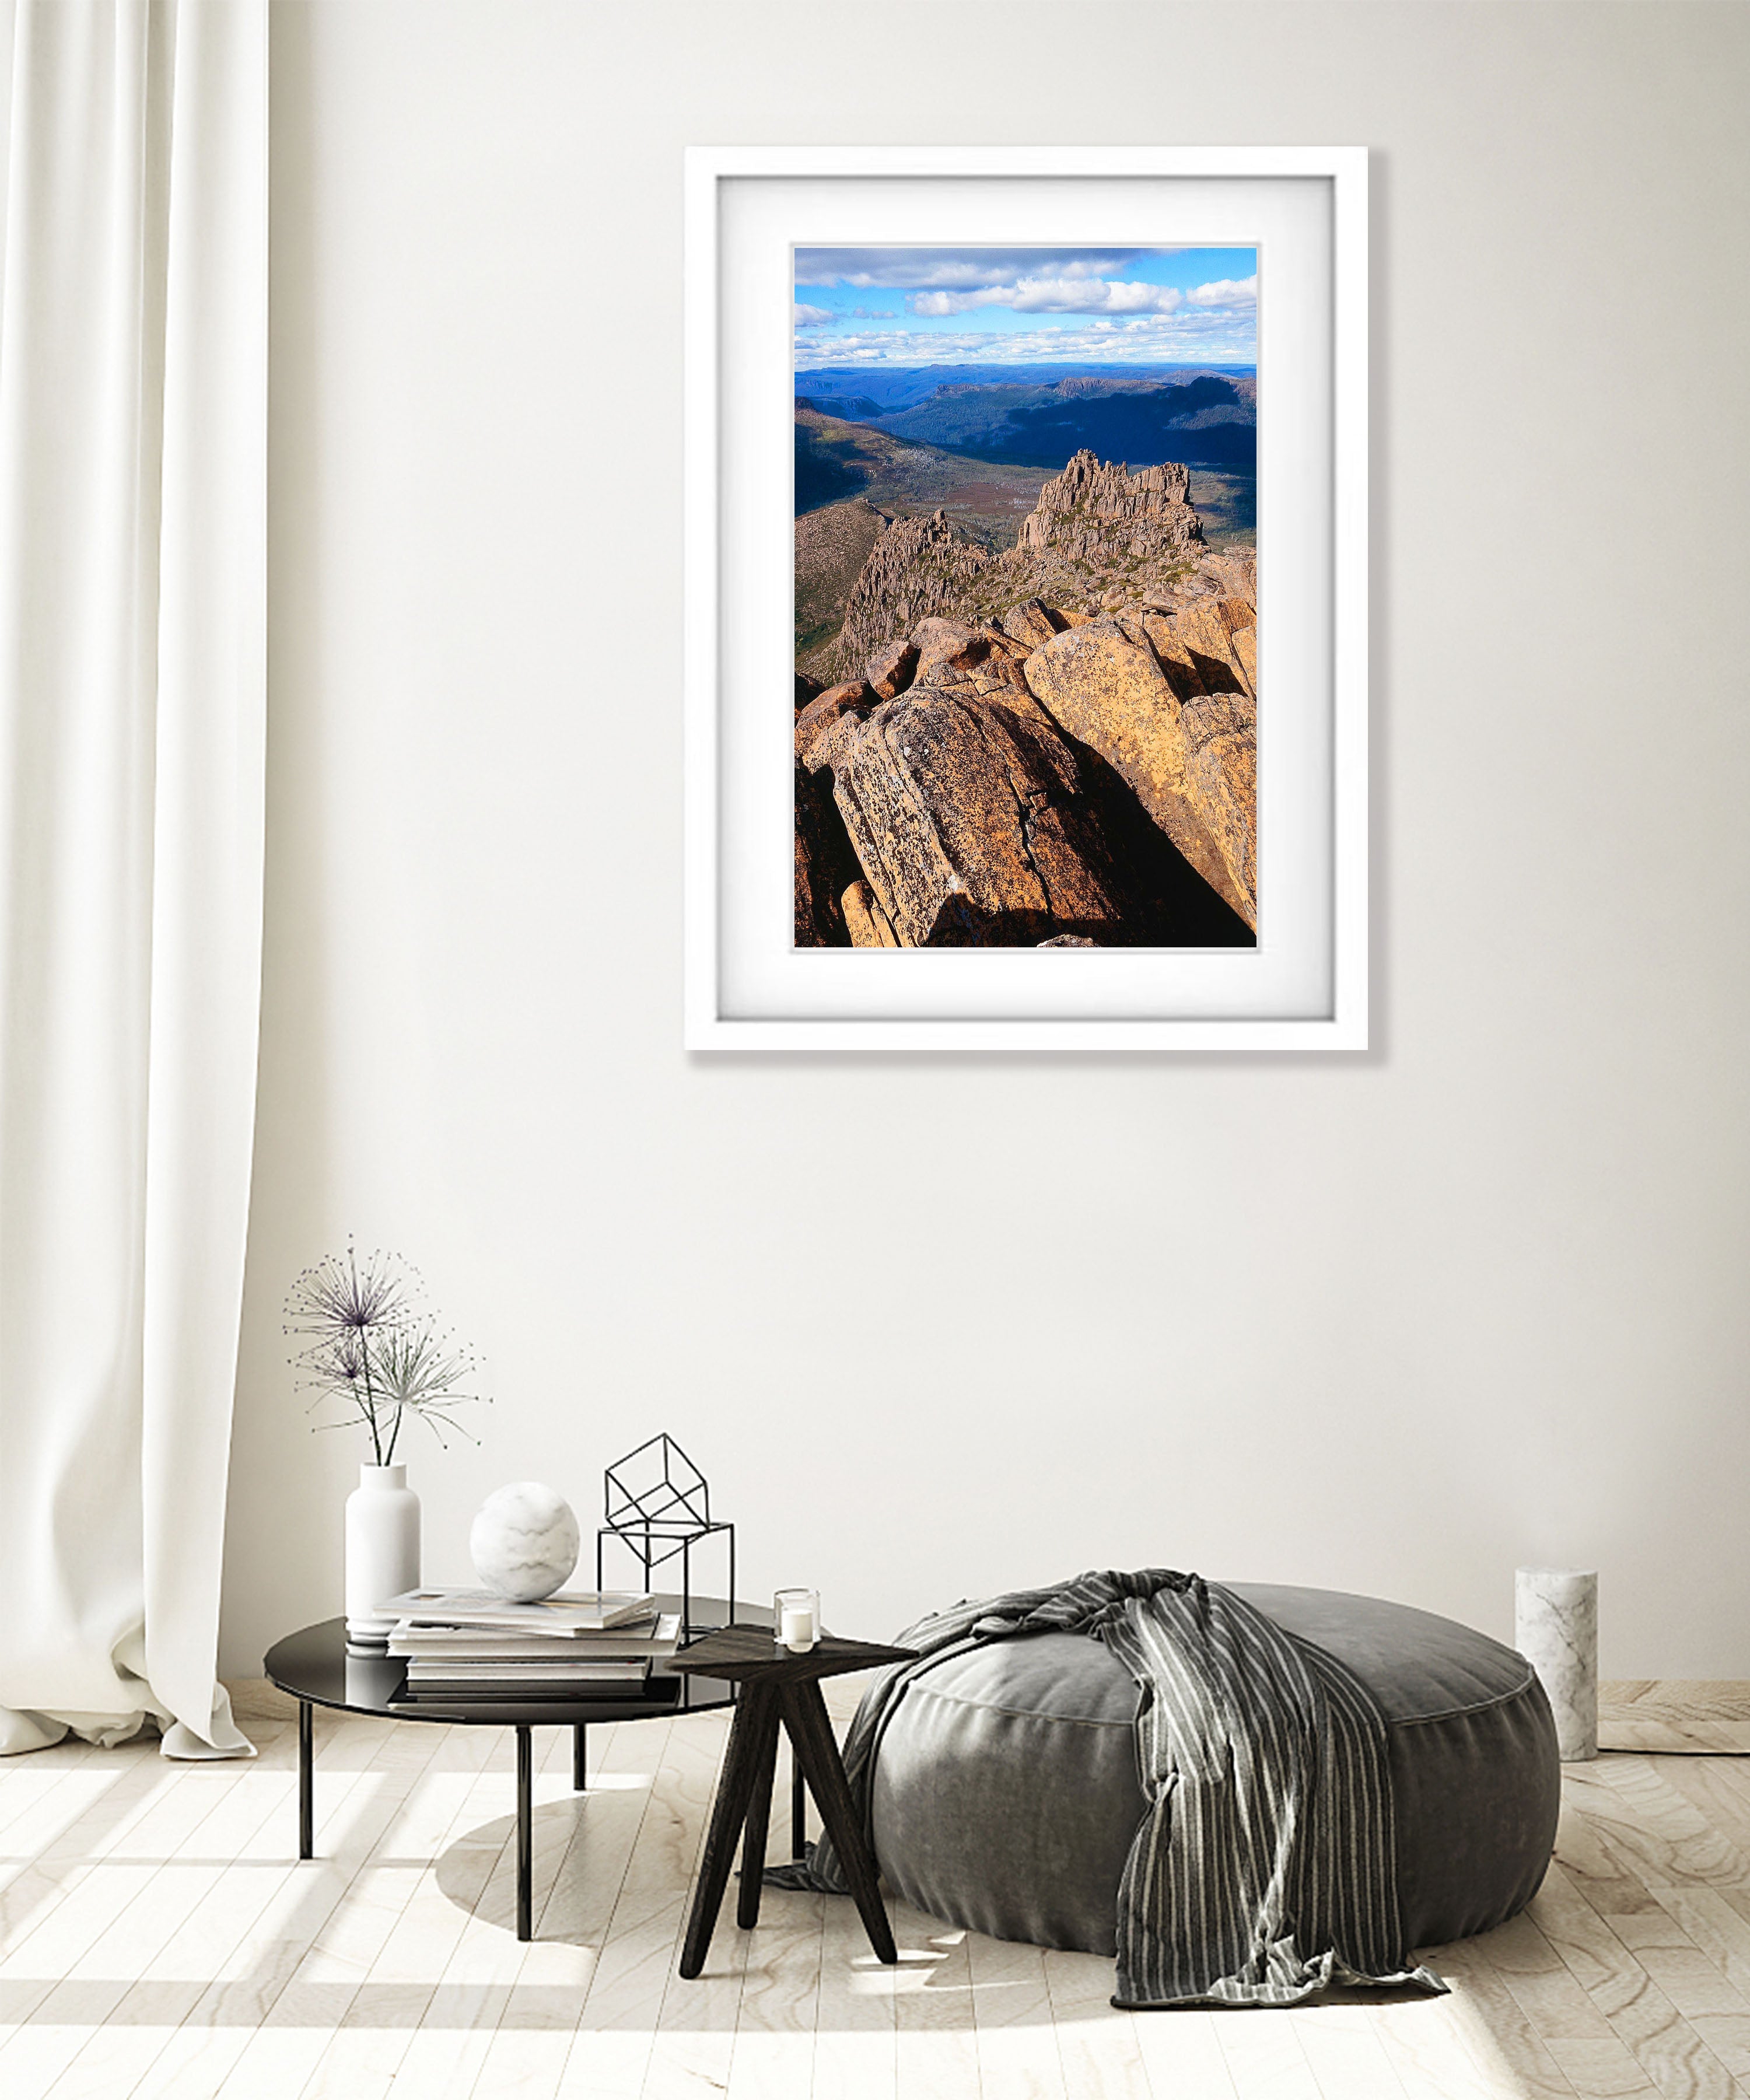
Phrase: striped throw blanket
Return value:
(1265, 1867)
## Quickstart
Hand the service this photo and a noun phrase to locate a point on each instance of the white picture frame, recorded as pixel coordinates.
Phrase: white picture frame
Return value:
(1305, 987)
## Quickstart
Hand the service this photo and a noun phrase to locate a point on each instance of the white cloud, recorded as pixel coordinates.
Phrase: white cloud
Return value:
(1219, 335)
(1226, 292)
(1055, 295)
(960, 269)
(811, 317)
(1094, 266)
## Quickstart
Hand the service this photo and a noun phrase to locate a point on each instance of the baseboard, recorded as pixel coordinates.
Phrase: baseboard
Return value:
(254, 1699)
(1675, 1716)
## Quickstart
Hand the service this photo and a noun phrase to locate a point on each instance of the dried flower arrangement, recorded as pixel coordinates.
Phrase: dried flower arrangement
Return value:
(369, 1342)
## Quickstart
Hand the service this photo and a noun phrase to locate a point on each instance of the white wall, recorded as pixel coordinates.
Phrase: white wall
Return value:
(938, 1326)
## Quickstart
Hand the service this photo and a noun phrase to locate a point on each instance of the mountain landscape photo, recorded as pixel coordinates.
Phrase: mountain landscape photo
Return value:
(1025, 606)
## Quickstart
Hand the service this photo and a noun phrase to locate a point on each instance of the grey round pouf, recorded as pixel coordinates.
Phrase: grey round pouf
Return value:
(1006, 1794)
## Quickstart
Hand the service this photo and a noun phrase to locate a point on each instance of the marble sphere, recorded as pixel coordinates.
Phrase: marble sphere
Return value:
(524, 1542)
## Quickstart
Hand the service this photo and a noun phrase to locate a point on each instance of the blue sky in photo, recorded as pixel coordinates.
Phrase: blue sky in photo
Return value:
(1025, 305)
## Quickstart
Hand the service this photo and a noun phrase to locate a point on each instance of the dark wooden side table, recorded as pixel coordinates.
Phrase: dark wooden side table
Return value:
(774, 1686)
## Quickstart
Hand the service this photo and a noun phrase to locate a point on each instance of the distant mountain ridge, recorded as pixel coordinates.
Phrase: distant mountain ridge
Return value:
(1206, 419)
(849, 408)
(1209, 421)
(896, 386)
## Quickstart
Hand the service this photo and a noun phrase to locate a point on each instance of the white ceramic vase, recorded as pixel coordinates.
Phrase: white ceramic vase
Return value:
(382, 1550)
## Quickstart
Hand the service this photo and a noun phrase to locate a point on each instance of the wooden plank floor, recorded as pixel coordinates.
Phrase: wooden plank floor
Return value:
(160, 1940)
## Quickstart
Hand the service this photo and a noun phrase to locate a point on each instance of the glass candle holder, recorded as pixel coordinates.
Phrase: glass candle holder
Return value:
(796, 1619)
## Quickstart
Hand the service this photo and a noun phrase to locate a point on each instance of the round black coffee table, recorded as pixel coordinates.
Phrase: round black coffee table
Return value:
(313, 1667)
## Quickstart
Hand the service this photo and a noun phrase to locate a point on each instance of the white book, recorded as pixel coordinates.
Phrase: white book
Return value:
(651, 1636)
(427, 1672)
(568, 1611)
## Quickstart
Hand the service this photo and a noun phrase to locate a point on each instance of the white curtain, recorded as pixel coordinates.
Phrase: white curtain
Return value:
(133, 448)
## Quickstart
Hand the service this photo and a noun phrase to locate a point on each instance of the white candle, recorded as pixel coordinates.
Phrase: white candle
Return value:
(797, 1633)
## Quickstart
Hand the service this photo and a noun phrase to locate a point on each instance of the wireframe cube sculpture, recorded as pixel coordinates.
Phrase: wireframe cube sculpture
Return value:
(657, 1503)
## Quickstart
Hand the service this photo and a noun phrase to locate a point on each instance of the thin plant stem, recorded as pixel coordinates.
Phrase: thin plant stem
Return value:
(370, 1412)
(370, 1398)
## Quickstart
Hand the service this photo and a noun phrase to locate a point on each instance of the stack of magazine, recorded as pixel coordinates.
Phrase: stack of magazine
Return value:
(469, 1647)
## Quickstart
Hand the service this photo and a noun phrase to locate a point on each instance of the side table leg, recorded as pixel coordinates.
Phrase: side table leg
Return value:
(307, 1782)
(798, 1808)
(580, 1757)
(765, 1754)
(805, 1712)
(728, 1812)
(525, 1834)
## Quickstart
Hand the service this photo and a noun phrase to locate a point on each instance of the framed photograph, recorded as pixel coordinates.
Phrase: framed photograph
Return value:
(1026, 598)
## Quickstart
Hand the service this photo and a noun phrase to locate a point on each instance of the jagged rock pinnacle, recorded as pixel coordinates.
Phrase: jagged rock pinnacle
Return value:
(1095, 509)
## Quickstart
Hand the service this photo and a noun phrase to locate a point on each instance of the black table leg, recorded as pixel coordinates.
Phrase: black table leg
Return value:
(798, 1808)
(759, 1818)
(525, 1834)
(580, 1757)
(729, 1813)
(805, 1712)
(307, 1782)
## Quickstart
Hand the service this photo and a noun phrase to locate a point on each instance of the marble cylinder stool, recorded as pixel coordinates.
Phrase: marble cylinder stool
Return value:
(1556, 1630)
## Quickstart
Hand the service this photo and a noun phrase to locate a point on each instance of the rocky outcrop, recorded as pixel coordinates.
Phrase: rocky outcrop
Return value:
(1208, 646)
(1031, 622)
(918, 566)
(824, 865)
(975, 661)
(890, 670)
(1232, 573)
(1103, 515)
(1053, 746)
(823, 712)
(1099, 538)
(1220, 737)
(869, 925)
(1109, 689)
(969, 817)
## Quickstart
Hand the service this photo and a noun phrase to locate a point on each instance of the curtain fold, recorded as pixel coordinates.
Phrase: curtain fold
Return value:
(132, 451)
